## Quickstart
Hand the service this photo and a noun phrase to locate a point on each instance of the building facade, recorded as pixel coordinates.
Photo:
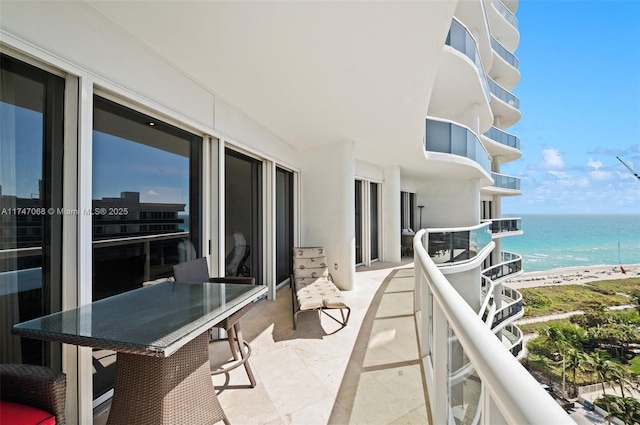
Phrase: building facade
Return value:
(140, 134)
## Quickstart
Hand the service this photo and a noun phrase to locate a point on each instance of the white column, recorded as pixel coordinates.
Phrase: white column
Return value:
(327, 216)
(391, 215)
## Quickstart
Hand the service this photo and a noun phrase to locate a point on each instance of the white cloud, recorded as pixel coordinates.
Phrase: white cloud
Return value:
(601, 175)
(552, 159)
(559, 174)
(594, 164)
(152, 193)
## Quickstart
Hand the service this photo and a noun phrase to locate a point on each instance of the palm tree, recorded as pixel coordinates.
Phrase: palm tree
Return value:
(626, 407)
(575, 360)
(602, 367)
(559, 342)
(623, 378)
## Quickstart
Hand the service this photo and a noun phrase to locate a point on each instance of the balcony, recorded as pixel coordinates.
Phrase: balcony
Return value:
(452, 139)
(504, 65)
(503, 24)
(501, 144)
(461, 356)
(447, 246)
(505, 13)
(503, 185)
(504, 104)
(506, 55)
(501, 227)
(510, 310)
(513, 338)
(461, 39)
(461, 80)
(510, 266)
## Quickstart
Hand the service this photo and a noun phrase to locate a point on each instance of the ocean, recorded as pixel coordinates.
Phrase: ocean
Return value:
(556, 241)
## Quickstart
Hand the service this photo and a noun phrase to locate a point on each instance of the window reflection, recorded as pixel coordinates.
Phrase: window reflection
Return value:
(146, 206)
(31, 123)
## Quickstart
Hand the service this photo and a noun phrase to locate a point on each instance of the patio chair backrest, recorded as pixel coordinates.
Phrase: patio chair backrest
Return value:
(192, 271)
(310, 263)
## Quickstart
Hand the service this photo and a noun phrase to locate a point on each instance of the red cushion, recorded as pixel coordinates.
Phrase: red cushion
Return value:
(21, 414)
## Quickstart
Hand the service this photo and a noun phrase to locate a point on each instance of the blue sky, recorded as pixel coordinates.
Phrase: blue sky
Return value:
(580, 103)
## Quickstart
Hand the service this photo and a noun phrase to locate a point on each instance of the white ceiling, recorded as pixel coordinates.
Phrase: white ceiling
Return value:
(311, 72)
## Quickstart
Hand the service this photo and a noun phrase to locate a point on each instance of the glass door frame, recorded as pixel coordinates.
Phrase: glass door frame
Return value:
(365, 202)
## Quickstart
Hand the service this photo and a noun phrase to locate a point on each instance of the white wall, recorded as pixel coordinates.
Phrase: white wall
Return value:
(449, 204)
(327, 206)
(79, 35)
(391, 215)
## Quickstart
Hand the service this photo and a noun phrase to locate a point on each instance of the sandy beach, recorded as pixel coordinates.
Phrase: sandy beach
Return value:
(574, 275)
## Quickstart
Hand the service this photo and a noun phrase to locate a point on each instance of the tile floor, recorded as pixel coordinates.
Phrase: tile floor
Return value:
(367, 373)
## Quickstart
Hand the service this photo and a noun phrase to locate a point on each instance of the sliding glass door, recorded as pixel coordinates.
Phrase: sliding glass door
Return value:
(243, 216)
(284, 224)
(146, 206)
(31, 147)
(374, 221)
(359, 201)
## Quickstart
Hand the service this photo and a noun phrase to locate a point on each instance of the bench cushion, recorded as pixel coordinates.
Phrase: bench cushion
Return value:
(21, 414)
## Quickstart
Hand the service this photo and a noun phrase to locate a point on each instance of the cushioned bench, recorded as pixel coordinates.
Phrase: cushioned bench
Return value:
(312, 286)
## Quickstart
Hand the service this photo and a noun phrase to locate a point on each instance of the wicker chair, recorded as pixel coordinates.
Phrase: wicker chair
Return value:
(35, 386)
(198, 271)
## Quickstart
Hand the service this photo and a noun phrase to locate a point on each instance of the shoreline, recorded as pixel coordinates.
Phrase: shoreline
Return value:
(574, 275)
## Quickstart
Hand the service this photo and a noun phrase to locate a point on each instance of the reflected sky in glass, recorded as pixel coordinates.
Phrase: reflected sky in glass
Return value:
(121, 165)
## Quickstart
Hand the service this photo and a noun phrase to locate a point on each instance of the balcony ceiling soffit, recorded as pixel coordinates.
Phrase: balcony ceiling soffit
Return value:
(310, 72)
(457, 88)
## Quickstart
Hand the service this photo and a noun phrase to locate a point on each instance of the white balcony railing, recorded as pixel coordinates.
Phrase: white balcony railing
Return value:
(452, 337)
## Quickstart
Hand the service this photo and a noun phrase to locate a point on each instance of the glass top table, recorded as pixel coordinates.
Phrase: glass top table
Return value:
(160, 334)
(156, 320)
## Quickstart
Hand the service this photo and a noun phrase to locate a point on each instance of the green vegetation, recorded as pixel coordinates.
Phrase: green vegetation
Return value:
(543, 301)
(595, 347)
(634, 365)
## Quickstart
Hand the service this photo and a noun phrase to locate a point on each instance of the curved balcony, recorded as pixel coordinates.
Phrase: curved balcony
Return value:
(511, 266)
(503, 24)
(514, 340)
(447, 246)
(506, 227)
(505, 13)
(461, 39)
(503, 94)
(461, 81)
(450, 336)
(504, 65)
(505, 104)
(506, 182)
(449, 138)
(506, 55)
(511, 309)
(501, 144)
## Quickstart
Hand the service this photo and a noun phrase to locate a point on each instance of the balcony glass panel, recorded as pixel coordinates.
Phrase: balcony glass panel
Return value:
(511, 263)
(506, 13)
(503, 94)
(509, 310)
(464, 385)
(449, 138)
(454, 246)
(461, 39)
(505, 182)
(504, 53)
(506, 225)
(503, 137)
